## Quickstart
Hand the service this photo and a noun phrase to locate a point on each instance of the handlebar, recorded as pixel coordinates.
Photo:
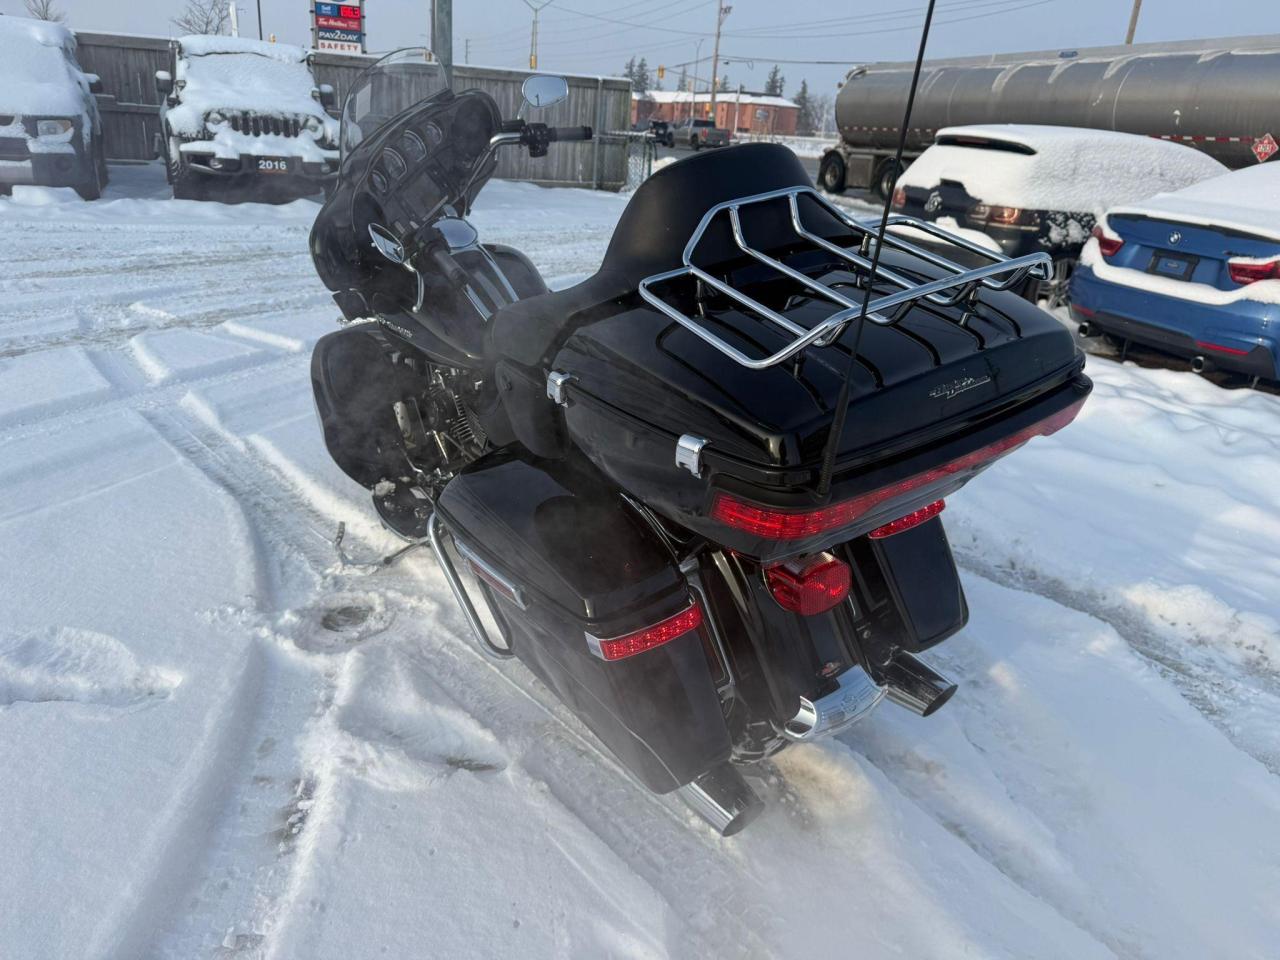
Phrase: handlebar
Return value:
(563, 134)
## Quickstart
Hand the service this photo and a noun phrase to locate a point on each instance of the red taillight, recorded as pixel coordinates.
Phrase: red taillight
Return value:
(1245, 271)
(619, 648)
(1109, 246)
(900, 198)
(771, 523)
(913, 519)
(1006, 215)
(1234, 351)
(810, 586)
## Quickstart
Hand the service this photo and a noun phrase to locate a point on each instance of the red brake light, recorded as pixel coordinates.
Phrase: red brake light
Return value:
(628, 645)
(913, 519)
(1245, 271)
(771, 523)
(900, 198)
(1109, 246)
(1005, 215)
(810, 586)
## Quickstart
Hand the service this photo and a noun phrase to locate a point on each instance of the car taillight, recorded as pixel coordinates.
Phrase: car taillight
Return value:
(628, 645)
(1002, 216)
(912, 519)
(1109, 246)
(772, 523)
(900, 198)
(1245, 270)
(810, 585)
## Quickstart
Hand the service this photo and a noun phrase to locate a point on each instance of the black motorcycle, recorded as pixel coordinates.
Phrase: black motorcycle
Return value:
(642, 486)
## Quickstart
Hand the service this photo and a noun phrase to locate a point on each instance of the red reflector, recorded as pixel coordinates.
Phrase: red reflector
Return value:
(811, 586)
(1245, 272)
(619, 648)
(1084, 311)
(1109, 246)
(770, 523)
(913, 519)
(1205, 345)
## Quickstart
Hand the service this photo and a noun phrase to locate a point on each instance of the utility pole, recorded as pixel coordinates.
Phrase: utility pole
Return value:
(466, 50)
(1133, 23)
(442, 35)
(722, 10)
(235, 20)
(259, 19)
(537, 8)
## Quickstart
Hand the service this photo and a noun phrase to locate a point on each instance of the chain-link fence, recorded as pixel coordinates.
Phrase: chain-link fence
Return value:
(642, 148)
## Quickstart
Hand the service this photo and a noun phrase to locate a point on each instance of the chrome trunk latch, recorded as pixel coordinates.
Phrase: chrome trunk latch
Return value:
(555, 386)
(689, 453)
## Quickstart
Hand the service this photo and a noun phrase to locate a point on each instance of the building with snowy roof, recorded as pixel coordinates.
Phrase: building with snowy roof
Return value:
(736, 110)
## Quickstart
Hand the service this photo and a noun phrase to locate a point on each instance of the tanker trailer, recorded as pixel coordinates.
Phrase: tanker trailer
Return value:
(1217, 95)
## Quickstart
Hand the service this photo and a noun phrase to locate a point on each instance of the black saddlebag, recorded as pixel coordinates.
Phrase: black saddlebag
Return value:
(565, 560)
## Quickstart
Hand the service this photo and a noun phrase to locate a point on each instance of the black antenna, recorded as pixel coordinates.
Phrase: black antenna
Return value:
(842, 404)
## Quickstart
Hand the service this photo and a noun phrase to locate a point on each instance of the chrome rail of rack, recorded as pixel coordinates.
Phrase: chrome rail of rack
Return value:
(1001, 274)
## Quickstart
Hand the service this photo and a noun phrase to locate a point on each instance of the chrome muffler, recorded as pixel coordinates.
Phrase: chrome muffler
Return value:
(855, 696)
(912, 683)
(723, 799)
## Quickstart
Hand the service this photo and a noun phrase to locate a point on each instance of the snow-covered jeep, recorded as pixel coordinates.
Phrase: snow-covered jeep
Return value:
(50, 130)
(244, 119)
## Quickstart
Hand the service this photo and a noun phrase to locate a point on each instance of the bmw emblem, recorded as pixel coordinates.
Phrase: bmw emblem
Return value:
(1175, 238)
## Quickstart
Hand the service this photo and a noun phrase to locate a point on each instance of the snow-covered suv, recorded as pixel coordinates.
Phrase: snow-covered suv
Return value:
(244, 119)
(50, 130)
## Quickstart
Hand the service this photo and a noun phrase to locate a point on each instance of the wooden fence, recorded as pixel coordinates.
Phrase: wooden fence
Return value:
(130, 108)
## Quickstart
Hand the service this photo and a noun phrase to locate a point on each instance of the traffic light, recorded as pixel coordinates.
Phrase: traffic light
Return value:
(662, 71)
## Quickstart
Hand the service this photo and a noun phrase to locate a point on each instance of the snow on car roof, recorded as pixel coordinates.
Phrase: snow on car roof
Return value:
(231, 74)
(204, 45)
(1246, 200)
(1072, 169)
(37, 75)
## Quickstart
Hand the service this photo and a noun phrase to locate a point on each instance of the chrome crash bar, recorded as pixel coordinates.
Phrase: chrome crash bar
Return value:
(1001, 274)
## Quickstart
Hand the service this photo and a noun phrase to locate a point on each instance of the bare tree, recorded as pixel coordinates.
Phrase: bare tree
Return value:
(203, 16)
(44, 10)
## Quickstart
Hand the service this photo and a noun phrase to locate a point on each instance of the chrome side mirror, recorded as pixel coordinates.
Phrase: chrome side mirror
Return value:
(545, 90)
(387, 245)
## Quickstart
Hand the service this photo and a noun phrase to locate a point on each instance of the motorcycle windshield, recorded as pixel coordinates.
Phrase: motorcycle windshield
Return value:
(395, 83)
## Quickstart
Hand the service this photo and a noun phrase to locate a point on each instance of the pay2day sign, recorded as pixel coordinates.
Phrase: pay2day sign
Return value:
(338, 27)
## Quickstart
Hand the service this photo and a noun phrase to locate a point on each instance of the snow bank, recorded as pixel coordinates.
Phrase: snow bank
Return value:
(1073, 170)
(1246, 200)
(231, 74)
(37, 74)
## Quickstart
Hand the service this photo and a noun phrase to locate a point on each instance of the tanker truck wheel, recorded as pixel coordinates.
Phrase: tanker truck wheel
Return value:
(831, 173)
(886, 174)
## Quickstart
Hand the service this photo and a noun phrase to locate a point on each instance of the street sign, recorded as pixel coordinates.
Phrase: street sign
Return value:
(338, 27)
(1265, 148)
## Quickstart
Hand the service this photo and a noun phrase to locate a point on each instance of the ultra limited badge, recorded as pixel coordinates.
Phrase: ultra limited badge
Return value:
(945, 391)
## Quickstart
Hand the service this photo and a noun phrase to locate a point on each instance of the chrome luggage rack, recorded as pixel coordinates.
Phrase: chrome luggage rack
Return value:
(947, 291)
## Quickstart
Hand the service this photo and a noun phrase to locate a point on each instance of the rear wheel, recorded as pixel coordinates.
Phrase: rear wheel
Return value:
(693, 143)
(831, 173)
(91, 189)
(1055, 292)
(886, 176)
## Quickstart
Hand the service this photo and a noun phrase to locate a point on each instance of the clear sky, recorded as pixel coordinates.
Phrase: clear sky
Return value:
(597, 36)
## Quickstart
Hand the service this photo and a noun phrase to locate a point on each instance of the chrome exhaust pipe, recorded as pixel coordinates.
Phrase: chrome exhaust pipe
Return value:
(723, 799)
(1198, 364)
(1086, 330)
(914, 684)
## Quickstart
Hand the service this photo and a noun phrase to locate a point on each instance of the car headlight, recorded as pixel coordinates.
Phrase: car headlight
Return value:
(53, 128)
(314, 125)
(214, 118)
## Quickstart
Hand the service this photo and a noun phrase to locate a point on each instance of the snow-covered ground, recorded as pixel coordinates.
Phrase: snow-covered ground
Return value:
(217, 742)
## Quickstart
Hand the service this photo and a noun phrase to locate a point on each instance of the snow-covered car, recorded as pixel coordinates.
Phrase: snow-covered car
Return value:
(245, 119)
(1195, 272)
(1041, 188)
(50, 130)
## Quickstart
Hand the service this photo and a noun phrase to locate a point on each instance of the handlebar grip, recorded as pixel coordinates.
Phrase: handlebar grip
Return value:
(562, 134)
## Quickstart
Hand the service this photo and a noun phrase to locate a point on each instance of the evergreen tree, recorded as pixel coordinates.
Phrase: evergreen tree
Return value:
(641, 81)
(629, 71)
(684, 79)
(723, 85)
(774, 85)
(807, 121)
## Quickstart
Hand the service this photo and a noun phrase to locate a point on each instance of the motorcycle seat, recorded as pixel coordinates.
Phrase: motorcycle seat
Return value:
(650, 238)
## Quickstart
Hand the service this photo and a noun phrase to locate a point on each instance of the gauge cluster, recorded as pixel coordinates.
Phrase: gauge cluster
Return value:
(428, 159)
